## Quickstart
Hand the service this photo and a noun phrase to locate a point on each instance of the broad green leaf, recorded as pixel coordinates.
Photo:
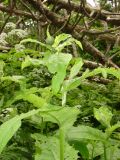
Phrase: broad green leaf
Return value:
(95, 149)
(103, 115)
(114, 72)
(85, 74)
(73, 83)
(94, 72)
(29, 40)
(62, 45)
(35, 100)
(61, 38)
(31, 61)
(46, 93)
(81, 147)
(105, 71)
(30, 113)
(26, 62)
(28, 95)
(56, 116)
(48, 148)
(76, 68)
(78, 43)
(57, 63)
(112, 153)
(58, 79)
(86, 132)
(111, 129)
(18, 96)
(67, 42)
(8, 129)
(32, 41)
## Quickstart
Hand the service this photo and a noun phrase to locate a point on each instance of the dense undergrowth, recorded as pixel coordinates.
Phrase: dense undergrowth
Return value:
(49, 110)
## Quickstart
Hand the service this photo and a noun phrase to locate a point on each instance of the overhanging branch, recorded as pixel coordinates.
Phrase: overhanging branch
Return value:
(17, 12)
(89, 11)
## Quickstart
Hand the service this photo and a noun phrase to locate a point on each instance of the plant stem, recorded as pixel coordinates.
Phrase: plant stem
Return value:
(61, 144)
(64, 99)
(105, 154)
(92, 152)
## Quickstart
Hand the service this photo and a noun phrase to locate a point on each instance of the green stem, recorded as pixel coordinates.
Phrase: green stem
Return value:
(92, 152)
(64, 99)
(61, 144)
(105, 154)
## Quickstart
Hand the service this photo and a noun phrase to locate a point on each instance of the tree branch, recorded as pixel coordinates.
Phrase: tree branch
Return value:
(87, 10)
(17, 12)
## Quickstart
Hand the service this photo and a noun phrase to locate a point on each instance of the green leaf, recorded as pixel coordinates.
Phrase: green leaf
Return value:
(78, 43)
(48, 148)
(31, 61)
(112, 153)
(62, 45)
(111, 129)
(35, 100)
(32, 41)
(29, 40)
(28, 95)
(104, 73)
(26, 62)
(61, 38)
(58, 79)
(114, 72)
(8, 129)
(73, 83)
(76, 68)
(56, 116)
(17, 79)
(57, 63)
(86, 132)
(81, 147)
(103, 115)
(95, 149)
(94, 72)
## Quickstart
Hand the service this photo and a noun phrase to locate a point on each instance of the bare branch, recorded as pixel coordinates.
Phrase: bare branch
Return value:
(16, 12)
